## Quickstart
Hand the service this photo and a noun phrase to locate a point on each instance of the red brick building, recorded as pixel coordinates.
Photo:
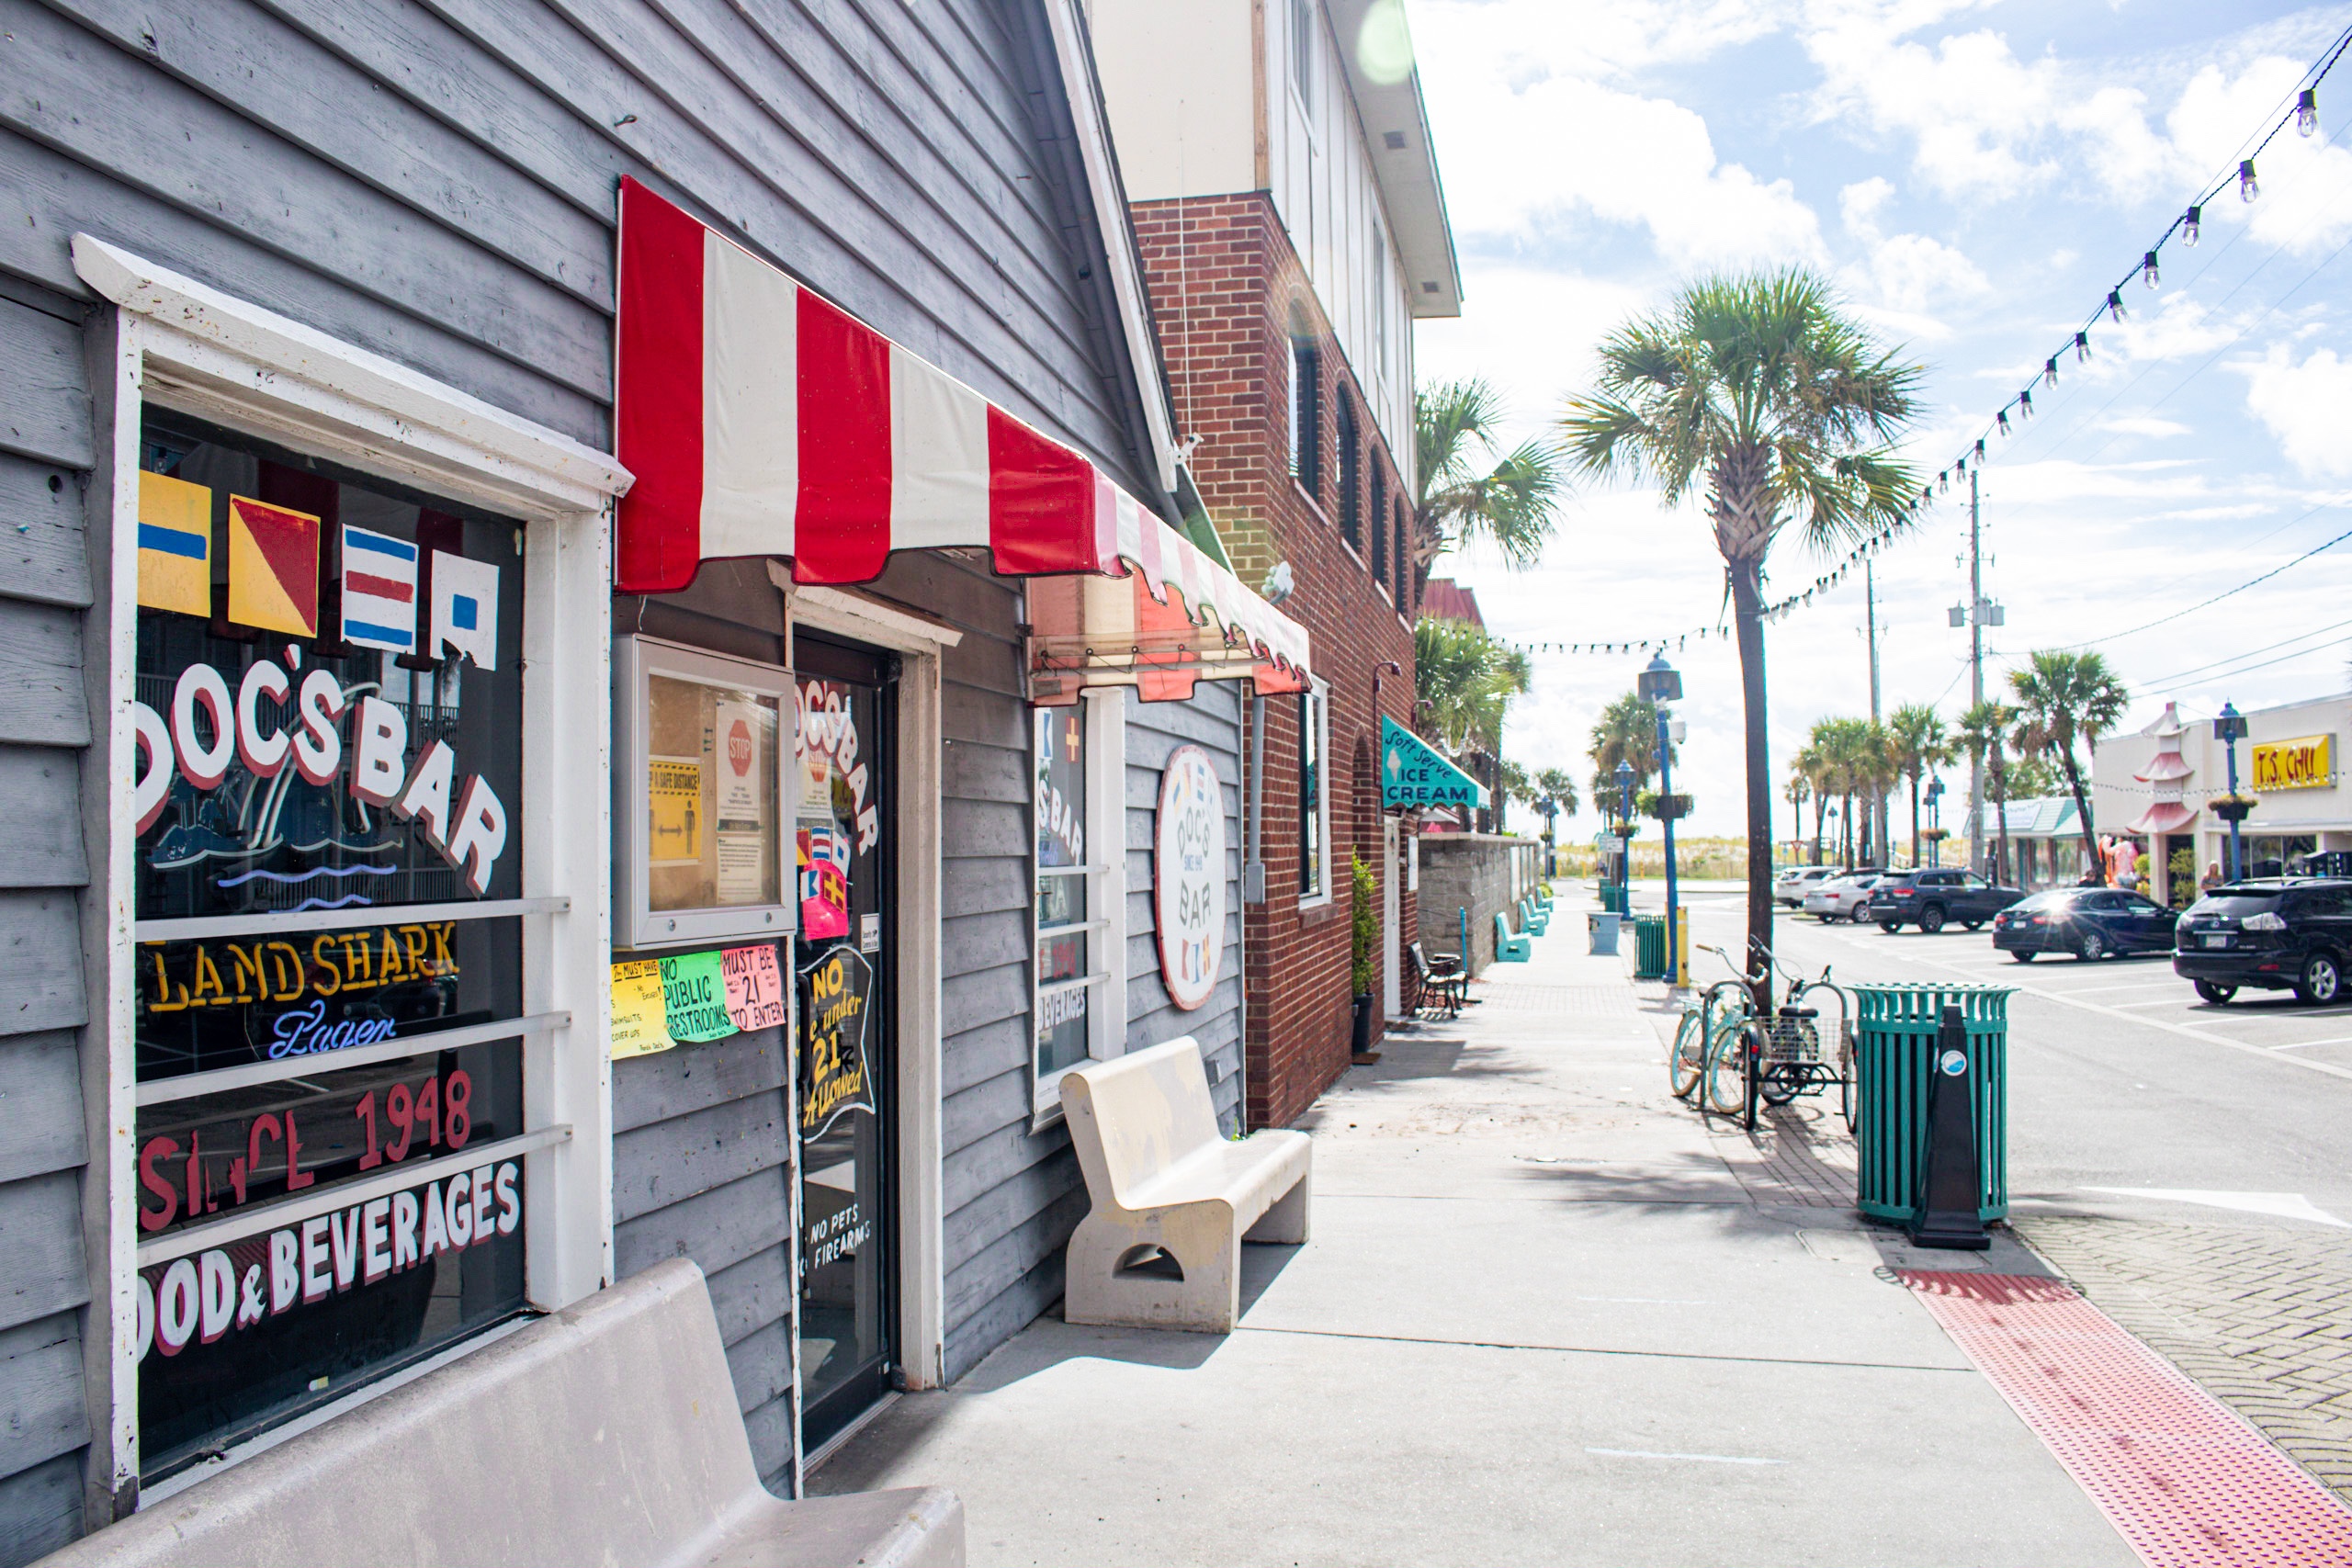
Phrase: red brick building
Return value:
(1290, 232)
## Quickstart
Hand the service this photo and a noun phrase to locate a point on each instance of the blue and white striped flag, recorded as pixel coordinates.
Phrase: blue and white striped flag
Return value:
(379, 590)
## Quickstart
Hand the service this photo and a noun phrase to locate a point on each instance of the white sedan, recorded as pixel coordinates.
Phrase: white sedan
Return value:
(1842, 897)
(1791, 886)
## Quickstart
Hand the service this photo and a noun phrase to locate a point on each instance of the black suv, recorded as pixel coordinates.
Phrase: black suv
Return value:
(2276, 935)
(1932, 897)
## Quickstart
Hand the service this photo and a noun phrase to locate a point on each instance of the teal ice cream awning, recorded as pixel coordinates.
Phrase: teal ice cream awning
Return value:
(1412, 774)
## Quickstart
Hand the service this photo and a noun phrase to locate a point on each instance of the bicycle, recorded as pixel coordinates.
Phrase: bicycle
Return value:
(1784, 1060)
(1700, 1069)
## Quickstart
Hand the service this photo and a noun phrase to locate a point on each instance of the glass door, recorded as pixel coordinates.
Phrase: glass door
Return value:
(843, 964)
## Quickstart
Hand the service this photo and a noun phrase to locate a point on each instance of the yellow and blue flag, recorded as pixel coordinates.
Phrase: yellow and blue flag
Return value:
(174, 544)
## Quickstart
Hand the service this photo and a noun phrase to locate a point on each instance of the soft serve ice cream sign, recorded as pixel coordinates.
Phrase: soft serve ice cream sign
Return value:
(210, 727)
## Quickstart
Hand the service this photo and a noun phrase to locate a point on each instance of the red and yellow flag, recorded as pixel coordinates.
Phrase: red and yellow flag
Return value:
(273, 568)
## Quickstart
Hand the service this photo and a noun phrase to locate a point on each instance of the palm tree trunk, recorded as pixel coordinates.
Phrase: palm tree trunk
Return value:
(1748, 603)
(2001, 801)
(1820, 814)
(1915, 817)
(2083, 812)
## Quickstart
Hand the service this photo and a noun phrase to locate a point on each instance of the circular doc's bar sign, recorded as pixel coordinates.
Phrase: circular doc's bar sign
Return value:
(1188, 877)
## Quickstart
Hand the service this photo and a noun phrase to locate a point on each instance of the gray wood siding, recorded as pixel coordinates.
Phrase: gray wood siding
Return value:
(45, 452)
(1212, 721)
(437, 181)
(701, 1166)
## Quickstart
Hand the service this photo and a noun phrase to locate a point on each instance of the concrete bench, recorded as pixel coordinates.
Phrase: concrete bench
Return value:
(1174, 1196)
(605, 1433)
(1533, 918)
(1510, 949)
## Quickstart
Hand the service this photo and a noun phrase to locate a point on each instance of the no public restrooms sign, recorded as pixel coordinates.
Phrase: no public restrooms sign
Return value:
(1188, 877)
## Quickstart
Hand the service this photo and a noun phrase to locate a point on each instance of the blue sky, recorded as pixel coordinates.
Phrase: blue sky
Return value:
(1972, 177)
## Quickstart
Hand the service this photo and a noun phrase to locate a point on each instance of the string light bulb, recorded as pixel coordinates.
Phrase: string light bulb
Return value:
(2082, 346)
(2115, 311)
(2307, 111)
(1943, 481)
(2025, 402)
(2148, 269)
(2050, 370)
(2190, 222)
(2248, 187)
(1979, 451)
(2002, 419)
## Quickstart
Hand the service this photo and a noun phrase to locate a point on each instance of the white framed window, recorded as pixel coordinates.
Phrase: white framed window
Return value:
(1314, 796)
(698, 788)
(447, 1026)
(1078, 907)
(1302, 54)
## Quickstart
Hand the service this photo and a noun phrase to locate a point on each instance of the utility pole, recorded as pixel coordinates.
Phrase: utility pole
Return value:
(1870, 630)
(1975, 667)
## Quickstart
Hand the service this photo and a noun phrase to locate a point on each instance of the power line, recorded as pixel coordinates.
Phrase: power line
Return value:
(2225, 594)
(2216, 671)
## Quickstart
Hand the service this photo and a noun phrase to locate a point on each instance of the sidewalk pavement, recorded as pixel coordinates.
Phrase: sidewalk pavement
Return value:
(1542, 1318)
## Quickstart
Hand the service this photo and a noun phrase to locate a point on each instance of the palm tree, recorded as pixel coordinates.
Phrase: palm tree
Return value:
(1756, 394)
(1819, 784)
(2062, 698)
(1917, 743)
(1511, 506)
(1796, 792)
(1984, 729)
(1551, 794)
(1626, 732)
(1466, 680)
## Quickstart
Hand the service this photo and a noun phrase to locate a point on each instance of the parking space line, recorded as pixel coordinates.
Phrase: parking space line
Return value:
(2170, 1028)
(2180, 1000)
(2299, 1044)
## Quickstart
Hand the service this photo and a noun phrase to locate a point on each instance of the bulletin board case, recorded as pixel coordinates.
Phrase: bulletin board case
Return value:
(701, 796)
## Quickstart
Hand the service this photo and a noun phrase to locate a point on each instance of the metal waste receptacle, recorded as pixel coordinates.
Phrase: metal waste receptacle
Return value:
(1609, 898)
(1604, 925)
(1649, 947)
(1895, 1028)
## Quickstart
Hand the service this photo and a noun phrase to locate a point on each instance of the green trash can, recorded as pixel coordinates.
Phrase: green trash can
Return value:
(1896, 1027)
(1609, 901)
(1649, 947)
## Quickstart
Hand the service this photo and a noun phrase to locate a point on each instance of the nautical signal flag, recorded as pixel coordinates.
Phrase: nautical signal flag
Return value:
(273, 568)
(174, 544)
(379, 590)
(465, 609)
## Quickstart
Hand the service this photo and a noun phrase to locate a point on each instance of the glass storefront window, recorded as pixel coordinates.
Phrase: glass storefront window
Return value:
(1314, 877)
(713, 828)
(329, 710)
(1064, 979)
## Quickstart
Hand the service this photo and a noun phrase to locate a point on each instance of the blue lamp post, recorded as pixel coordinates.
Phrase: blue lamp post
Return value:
(1659, 684)
(1935, 819)
(1626, 838)
(2228, 728)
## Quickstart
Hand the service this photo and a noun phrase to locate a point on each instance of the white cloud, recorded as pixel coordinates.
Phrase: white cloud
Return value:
(1903, 274)
(1595, 151)
(2303, 406)
(1981, 121)
(2305, 203)
(2144, 424)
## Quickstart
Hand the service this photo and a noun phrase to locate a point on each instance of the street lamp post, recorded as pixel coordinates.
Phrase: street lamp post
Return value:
(2228, 728)
(1626, 838)
(1659, 684)
(1935, 819)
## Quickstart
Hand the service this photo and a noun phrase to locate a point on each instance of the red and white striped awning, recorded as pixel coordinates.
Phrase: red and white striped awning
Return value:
(762, 420)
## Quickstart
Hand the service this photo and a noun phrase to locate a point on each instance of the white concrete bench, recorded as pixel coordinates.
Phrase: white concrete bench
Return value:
(607, 1433)
(1174, 1196)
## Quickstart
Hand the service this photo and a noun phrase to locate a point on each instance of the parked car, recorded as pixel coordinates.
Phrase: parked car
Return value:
(2274, 935)
(1930, 898)
(1843, 897)
(2089, 922)
(1791, 886)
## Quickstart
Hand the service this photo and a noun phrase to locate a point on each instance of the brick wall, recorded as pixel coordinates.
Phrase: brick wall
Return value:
(1484, 873)
(1227, 289)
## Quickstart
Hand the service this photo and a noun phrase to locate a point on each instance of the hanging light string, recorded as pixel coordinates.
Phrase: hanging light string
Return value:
(2304, 115)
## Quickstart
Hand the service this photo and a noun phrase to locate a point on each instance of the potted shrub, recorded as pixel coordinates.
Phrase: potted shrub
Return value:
(1363, 941)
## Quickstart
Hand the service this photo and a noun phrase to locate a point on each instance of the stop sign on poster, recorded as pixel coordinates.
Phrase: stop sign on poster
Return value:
(744, 732)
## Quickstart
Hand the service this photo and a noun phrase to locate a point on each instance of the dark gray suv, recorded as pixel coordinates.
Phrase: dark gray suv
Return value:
(1933, 898)
(2281, 935)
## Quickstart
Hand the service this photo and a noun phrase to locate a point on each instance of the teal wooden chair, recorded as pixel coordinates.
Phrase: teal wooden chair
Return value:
(1510, 949)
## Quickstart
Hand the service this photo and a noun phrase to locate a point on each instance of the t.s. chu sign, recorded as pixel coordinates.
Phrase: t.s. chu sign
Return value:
(210, 728)
(2308, 761)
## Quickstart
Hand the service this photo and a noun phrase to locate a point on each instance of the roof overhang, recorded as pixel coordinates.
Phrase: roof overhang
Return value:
(1386, 83)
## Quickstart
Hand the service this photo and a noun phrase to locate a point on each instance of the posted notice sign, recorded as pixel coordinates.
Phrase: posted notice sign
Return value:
(1413, 775)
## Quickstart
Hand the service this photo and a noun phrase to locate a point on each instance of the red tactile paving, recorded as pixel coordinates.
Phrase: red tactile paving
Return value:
(2184, 1480)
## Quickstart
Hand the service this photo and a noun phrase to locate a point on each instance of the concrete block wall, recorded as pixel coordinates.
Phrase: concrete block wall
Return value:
(1482, 872)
